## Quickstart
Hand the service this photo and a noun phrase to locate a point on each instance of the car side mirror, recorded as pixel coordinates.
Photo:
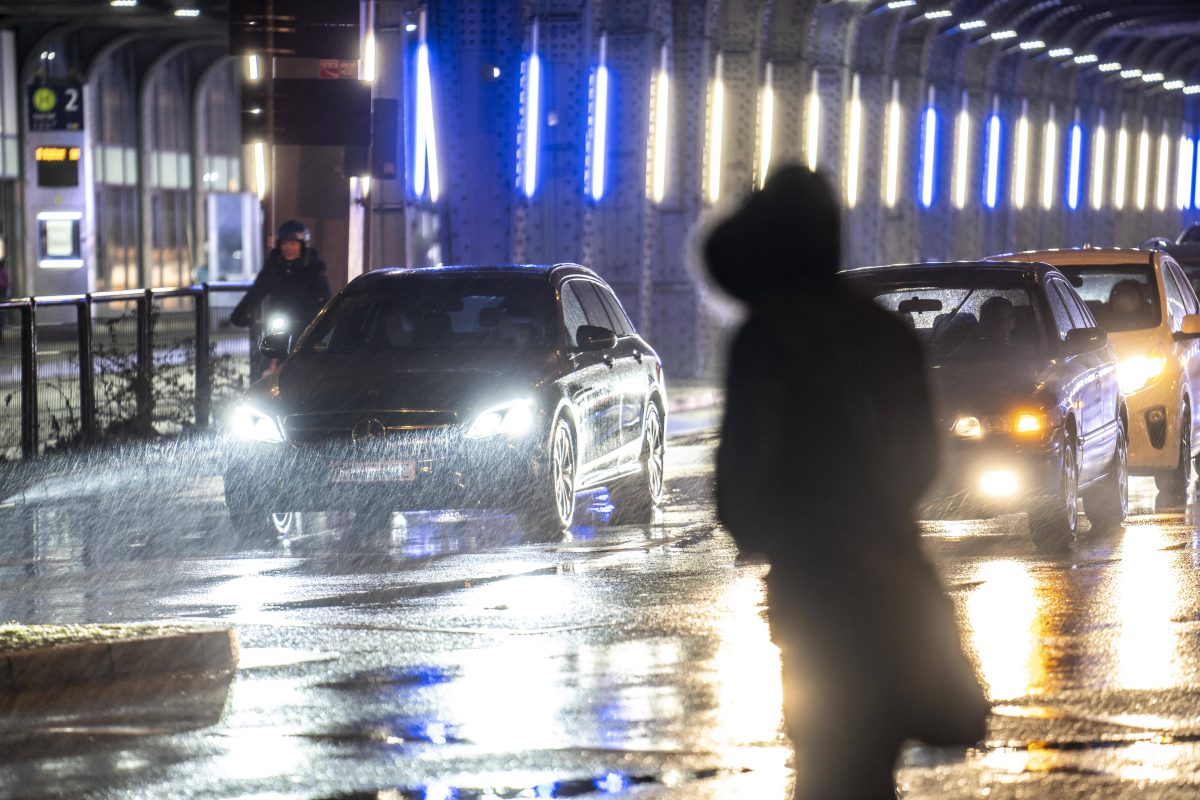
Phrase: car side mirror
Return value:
(595, 337)
(276, 345)
(1189, 328)
(1084, 340)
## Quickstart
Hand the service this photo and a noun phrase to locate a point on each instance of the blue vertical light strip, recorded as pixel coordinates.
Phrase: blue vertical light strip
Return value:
(598, 136)
(1196, 175)
(929, 126)
(425, 160)
(1074, 166)
(991, 184)
(531, 118)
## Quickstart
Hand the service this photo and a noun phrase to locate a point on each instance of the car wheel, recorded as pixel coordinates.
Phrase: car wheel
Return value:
(1174, 484)
(550, 509)
(1107, 504)
(636, 499)
(1053, 523)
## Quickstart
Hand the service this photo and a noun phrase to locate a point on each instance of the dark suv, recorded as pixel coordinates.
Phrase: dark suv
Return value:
(509, 387)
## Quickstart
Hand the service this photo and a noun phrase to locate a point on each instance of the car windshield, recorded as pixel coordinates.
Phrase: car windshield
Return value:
(512, 314)
(968, 322)
(1122, 297)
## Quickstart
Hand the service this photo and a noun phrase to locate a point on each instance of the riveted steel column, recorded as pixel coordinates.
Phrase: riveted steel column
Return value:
(204, 381)
(29, 381)
(145, 400)
(87, 369)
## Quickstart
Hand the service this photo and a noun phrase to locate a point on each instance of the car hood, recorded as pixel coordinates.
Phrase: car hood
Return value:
(986, 387)
(315, 384)
(1149, 341)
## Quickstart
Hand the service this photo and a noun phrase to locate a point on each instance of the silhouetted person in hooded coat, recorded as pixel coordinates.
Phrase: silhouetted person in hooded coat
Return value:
(828, 441)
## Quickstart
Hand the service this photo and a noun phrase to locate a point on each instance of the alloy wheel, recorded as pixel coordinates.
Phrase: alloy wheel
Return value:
(562, 469)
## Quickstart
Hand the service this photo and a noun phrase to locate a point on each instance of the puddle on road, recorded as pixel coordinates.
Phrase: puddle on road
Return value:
(410, 676)
(268, 657)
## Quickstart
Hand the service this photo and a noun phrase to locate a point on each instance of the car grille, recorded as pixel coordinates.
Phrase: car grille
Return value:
(338, 427)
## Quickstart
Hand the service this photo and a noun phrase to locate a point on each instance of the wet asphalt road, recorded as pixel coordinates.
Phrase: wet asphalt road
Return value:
(443, 656)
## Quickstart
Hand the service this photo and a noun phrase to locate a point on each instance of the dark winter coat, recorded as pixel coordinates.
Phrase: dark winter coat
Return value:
(295, 289)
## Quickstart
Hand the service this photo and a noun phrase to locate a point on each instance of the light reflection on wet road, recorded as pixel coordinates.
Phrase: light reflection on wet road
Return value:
(444, 656)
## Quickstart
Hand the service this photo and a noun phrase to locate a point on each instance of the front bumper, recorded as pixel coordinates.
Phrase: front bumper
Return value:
(983, 479)
(1154, 415)
(404, 472)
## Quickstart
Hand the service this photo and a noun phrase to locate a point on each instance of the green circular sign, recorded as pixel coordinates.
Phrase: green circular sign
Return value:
(45, 99)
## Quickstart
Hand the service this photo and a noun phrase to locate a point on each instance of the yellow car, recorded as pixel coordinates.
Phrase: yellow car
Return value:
(1152, 316)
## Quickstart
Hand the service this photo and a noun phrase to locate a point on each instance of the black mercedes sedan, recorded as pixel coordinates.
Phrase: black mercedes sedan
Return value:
(1026, 389)
(498, 387)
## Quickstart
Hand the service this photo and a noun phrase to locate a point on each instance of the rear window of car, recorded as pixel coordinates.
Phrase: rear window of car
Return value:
(438, 313)
(1122, 297)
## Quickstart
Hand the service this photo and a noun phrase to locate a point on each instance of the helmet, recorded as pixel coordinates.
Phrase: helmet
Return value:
(292, 230)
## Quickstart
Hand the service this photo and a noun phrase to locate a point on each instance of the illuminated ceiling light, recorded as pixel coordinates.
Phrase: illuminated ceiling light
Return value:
(123, 3)
(260, 170)
(766, 126)
(891, 178)
(1074, 165)
(971, 25)
(1120, 171)
(598, 140)
(368, 59)
(1143, 169)
(252, 70)
(716, 131)
(895, 4)
(1110, 66)
(532, 118)
(187, 12)
(661, 101)
(1021, 162)
(962, 144)
(1099, 154)
(426, 157)
(1036, 44)
(1173, 85)
(1193, 89)
(1087, 59)
(929, 126)
(1131, 73)
(1061, 52)
(1152, 77)
(1049, 160)
(991, 181)
(1000, 36)
(854, 144)
(940, 14)
(1183, 181)
(812, 133)
(411, 27)
(1164, 170)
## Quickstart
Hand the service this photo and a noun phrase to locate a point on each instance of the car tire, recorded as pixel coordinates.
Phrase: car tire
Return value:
(1174, 483)
(252, 521)
(1053, 523)
(1107, 503)
(550, 508)
(636, 499)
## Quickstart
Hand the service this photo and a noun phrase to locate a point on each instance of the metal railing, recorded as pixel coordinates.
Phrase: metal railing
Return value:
(108, 364)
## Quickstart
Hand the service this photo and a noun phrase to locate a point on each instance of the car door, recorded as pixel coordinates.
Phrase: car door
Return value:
(592, 384)
(632, 375)
(1076, 375)
(1104, 390)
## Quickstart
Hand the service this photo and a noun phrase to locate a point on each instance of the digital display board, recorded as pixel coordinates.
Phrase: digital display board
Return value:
(57, 165)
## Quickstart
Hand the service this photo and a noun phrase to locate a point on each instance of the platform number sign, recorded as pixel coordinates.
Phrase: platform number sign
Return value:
(56, 106)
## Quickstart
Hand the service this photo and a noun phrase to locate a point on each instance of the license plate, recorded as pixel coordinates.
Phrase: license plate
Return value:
(372, 471)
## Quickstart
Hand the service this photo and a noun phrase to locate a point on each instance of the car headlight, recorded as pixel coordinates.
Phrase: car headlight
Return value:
(278, 324)
(250, 423)
(1135, 374)
(510, 419)
(968, 427)
(1021, 423)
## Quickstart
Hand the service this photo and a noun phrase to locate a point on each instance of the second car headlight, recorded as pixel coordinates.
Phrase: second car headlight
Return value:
(250, 423)
(511, 419)
(1135, 374)
(1020, 423)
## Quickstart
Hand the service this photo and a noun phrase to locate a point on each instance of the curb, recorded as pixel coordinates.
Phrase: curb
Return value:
(214, 650)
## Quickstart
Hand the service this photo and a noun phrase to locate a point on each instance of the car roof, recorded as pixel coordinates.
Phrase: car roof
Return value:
(1069, 256)
(557, 271)
(968, 269)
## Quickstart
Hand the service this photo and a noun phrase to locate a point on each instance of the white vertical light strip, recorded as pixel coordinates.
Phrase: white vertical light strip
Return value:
(1143, 168)
(853, 144)
(716, 130)
(929, 126)
(891, 178)
(766, 126)
(427, 157)
(260, 170)
(662, 91)
(1074, 163)
(962, 144)
(1099, 156)
(1164, 172)
(252, 68)
(812, 133)
(1121, 169)
(1183, 188)
(533, 116)
(599, 137)
(1049, 160)
(991, 180)
(366, 62)
(1021, 160)
(1196, 176)
(368, 71)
